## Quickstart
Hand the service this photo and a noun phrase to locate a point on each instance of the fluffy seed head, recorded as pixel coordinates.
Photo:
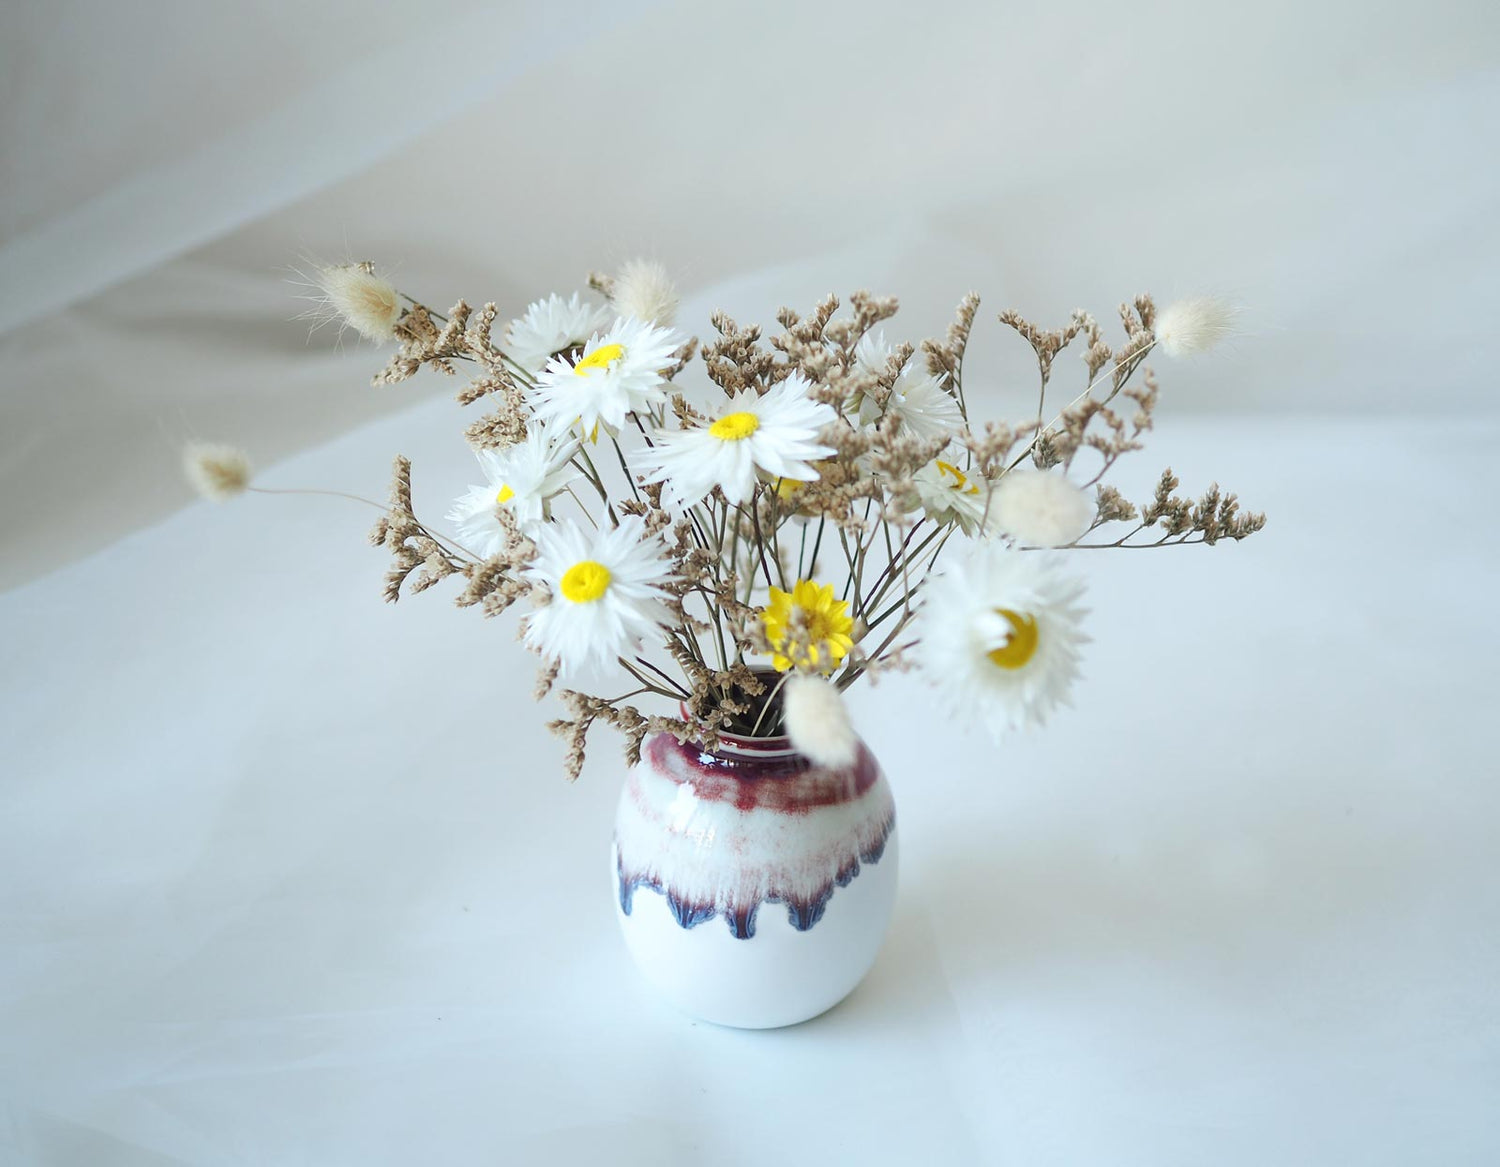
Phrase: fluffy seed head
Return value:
(1193, 325)
(355, 295)
(818, 722)
(1041, 508)
(216, 472)
(644, 290)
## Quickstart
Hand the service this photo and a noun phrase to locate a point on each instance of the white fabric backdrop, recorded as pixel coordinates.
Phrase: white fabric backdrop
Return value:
(1331, 165)
(272, 892)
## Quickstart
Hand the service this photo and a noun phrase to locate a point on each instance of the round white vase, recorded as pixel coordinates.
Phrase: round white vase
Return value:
(753, 887)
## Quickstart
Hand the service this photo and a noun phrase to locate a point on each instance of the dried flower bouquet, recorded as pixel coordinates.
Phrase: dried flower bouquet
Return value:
(745, 527)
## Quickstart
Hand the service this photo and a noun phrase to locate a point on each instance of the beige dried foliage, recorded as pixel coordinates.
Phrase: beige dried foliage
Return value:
(863, 520)
(409, 542)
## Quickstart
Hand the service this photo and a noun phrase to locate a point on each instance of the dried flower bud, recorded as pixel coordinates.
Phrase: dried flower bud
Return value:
(354, 294)
(1039, 508)
(1193, 325)
(817, 721)
(216, 472)
(644, 290)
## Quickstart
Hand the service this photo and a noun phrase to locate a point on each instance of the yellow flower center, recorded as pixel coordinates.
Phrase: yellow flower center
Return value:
(735, 427)
(961, 482)
(1021, 646)
(601, 358)
(505, 494)
(585, 582)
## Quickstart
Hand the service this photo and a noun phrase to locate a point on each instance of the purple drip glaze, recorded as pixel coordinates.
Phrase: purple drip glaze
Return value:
(803, 914)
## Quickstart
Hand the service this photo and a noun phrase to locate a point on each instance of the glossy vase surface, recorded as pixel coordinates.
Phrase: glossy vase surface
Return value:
(753, 887)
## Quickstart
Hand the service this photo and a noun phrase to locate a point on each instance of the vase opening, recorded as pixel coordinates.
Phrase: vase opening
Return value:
(761, 721)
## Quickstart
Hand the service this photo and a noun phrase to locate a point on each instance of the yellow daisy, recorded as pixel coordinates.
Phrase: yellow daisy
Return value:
(807, 627)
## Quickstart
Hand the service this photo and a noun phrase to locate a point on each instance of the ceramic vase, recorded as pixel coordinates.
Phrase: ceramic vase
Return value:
(753, 887)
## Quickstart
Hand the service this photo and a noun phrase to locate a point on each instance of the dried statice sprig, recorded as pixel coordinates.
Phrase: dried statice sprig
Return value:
(500, 581)
(631, 723)
(409, 542)
(1212, 517)
(858, 540)
(464, 336)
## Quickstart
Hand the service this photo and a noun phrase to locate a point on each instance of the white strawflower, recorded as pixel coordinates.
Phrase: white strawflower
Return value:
(617, 373)
(216, 472)
(644, 290)
(775, 433)
(606, 591)
(817, 721)
(949, 495)
(1041, 508)
(1000, 633)
(918, 400)
(553, 326)
(522, 479)
(354, 295)
(1193, 325)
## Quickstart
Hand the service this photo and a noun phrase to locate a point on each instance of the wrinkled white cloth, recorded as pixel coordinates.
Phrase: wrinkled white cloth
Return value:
(1327, 164)
(290, 876)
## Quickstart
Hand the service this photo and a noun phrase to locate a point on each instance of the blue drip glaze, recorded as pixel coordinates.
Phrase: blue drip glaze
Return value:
(803, 916)
(689, 915)
(742, 922)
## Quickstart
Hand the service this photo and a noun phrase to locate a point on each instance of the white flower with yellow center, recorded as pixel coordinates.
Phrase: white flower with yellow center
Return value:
(606, 592)
(523, 480)
(775, 433)
(918, 400)
(1000, 633)
(617, 373)
(552, 327)
(949, 494)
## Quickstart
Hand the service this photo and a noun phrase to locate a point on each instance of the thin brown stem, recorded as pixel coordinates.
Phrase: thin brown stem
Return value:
(1167, 542)
(440, 540)
(649, 686)
(644, 663)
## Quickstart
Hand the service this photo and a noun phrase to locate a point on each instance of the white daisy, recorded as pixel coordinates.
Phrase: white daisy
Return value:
(775, 433)
(918, 400)
(606, 591)
(1040, 508)
(522, 479)
(618, 373)
(1000, 634)
(951, 495)
(553, 326)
